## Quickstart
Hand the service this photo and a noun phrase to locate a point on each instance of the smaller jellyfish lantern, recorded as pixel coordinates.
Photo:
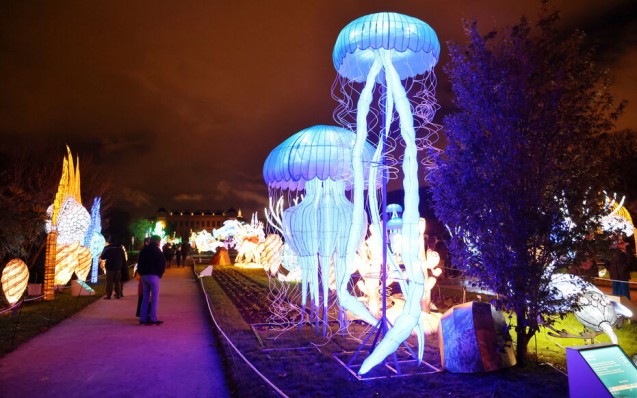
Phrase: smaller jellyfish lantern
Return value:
(387, 49)
(318, 160)
(394, 225)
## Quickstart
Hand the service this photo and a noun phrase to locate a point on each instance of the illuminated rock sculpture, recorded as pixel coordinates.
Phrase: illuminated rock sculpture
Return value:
(381, 51)
(474, 338)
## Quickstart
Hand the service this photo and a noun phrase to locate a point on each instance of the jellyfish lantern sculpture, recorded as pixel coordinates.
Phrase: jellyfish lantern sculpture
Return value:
(382, 52)
(317, 160)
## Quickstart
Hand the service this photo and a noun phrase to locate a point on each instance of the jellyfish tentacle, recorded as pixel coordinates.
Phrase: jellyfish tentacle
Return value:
(301, 234)
(358, 226)
(329, 224)
(410, 317)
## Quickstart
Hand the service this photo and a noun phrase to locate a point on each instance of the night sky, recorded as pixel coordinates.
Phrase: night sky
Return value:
(182, 101)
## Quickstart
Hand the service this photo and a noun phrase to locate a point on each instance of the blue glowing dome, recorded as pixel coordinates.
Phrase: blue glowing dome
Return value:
(414, 45)
(317, 152)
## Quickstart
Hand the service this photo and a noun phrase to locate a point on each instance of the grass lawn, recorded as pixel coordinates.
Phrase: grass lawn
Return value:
(303, 363)
(37, 316)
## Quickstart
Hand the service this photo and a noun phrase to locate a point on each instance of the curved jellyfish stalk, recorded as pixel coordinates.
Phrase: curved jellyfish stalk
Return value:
(358, 226)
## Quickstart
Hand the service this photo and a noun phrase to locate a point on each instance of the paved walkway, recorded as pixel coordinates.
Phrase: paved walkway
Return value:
(102, 351)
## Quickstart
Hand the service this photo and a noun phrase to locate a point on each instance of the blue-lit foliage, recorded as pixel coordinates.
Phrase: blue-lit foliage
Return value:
(94, 239)
(521, 154)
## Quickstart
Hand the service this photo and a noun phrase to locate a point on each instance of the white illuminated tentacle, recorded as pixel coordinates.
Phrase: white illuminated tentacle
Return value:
(357, 229)
(273, 214)
(608, 329)
(301, 233)
(329, 223)
(409, 319)
(373, 197)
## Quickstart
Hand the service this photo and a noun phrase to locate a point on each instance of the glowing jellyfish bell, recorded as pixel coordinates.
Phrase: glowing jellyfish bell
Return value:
(319, 152)
(318, 160)
(389, 48)
(413, 45)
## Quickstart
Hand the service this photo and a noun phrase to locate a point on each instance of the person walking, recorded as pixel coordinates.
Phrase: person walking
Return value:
(178, 256)
(185, 252)
(151, 266)
(619, 269)
(169, 252)
(140, 289)
(115, 259)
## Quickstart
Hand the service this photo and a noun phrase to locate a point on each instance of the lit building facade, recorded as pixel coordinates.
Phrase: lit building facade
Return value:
(184, 222)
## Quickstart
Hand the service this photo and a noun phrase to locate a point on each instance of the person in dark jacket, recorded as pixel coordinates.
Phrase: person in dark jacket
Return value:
(114, 260)
(151, 266)
(619, 269)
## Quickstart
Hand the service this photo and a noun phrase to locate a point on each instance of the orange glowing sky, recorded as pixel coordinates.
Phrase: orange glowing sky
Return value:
(183, 100)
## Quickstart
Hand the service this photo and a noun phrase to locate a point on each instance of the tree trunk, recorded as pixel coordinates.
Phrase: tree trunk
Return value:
(522, 337)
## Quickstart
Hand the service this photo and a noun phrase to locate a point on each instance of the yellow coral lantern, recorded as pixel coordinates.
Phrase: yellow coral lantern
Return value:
(68, 188)
(15, 278)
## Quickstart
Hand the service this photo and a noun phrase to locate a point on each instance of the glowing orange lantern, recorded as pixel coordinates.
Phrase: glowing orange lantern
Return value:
(15, 278)
(84, 262)
(65, 263)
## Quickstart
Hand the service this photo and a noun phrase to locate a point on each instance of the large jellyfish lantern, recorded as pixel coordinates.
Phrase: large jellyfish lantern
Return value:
(318, 161)
(382, 52)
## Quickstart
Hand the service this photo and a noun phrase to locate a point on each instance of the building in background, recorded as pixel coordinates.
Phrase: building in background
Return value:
(183, 222)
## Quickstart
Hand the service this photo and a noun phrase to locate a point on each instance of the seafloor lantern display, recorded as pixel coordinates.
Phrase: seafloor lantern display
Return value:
(318, 161)
(66, 226)
(73, 223)
(388, 54)
(15, 278)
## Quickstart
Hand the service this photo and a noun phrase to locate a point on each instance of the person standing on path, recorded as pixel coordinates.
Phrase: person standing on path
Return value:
(115, 260)
(178, 256)
(168, 254)
(619, 269)
(185, 252)
(151, 266)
